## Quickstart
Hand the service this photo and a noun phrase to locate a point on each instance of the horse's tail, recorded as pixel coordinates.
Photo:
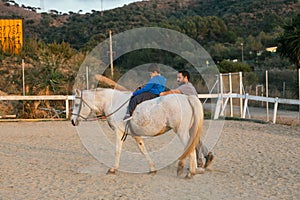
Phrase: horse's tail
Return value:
(196, 128)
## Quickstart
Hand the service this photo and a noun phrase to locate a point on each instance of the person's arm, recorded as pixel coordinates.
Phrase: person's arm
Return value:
(146, 88)
(170, 92)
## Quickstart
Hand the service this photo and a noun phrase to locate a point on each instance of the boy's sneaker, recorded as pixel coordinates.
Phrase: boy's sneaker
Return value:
(127, 118)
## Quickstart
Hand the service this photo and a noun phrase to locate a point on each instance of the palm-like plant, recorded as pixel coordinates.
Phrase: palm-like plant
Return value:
(289, 41)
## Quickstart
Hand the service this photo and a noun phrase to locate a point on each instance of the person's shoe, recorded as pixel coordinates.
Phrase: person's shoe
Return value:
(209, 158)
(127, 118)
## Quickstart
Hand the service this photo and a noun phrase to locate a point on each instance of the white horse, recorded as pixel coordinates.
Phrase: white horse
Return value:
(183, 114)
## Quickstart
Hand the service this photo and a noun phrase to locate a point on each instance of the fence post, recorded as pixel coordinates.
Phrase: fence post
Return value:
(267, 95)
(221, 91)
(245, 106)
(241, 92)
(275, 110)
(230, 92)
(111, 55)
(23, 76)
(299, 91)
(218, 108)
(67, 108)
(87, 77)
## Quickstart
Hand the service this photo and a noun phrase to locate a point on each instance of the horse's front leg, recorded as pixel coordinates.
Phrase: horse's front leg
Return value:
(119, 144)
(144, 151)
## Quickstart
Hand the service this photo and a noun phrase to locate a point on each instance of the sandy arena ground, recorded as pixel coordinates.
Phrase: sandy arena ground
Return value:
(46, 160)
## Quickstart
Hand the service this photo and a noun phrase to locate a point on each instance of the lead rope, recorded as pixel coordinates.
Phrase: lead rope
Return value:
(104, 117)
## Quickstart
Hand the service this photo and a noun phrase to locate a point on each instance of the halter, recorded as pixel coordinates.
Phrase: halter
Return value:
(82, 101)
(101, 117)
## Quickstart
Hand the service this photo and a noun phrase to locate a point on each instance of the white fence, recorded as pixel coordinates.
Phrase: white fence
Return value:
(222, 100)
(40, 98)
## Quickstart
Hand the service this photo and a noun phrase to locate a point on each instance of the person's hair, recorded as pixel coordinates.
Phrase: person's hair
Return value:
(185, 74)
(154, 67)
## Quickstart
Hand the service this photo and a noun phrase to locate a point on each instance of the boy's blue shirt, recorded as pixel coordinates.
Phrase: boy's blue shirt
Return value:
(155, 85)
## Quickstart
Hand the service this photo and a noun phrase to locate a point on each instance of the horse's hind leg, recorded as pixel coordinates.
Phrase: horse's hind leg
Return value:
(144, 151)
(192, 170)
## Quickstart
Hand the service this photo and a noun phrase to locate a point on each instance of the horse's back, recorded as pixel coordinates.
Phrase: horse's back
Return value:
(153, 117)
(169, 105)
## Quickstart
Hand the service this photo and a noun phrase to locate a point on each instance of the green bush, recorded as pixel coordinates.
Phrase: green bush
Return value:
(228, 66)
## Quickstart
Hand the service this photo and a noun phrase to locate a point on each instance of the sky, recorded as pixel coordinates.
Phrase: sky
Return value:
(65, 6)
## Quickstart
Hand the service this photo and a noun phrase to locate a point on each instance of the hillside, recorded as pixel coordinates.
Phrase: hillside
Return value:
(253, 15)
(242, 17)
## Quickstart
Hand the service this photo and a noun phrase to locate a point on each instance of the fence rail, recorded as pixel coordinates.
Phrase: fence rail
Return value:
(65, 98)
(221, 104)
(220, 107)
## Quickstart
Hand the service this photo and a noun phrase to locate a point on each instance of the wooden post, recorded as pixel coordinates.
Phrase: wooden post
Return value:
(299, 90)
(241, 92)
(221, 91)
(67, 108)
(267, 95)
(218, 108)
(275, 110)
(23, 76)
(230, 92)
(245, 107)
(262, 94)
(111, 55)
(87, 76)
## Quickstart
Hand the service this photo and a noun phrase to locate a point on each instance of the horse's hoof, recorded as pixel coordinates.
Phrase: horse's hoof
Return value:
(200, 170)
(111, 171)
(152, 172)
(189, 175)
(180, 169)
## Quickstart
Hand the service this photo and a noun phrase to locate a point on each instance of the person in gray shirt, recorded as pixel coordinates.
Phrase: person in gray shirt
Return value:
(204, 157)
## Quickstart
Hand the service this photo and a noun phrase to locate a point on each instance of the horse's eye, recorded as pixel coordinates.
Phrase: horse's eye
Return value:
(76, 104)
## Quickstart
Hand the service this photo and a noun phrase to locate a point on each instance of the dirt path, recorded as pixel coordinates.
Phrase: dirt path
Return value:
(46, 160)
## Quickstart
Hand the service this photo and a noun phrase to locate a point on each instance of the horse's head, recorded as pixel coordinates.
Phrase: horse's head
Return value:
(81, 107)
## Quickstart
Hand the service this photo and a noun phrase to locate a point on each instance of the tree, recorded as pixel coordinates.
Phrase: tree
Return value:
(289, 41)
(227, 67)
